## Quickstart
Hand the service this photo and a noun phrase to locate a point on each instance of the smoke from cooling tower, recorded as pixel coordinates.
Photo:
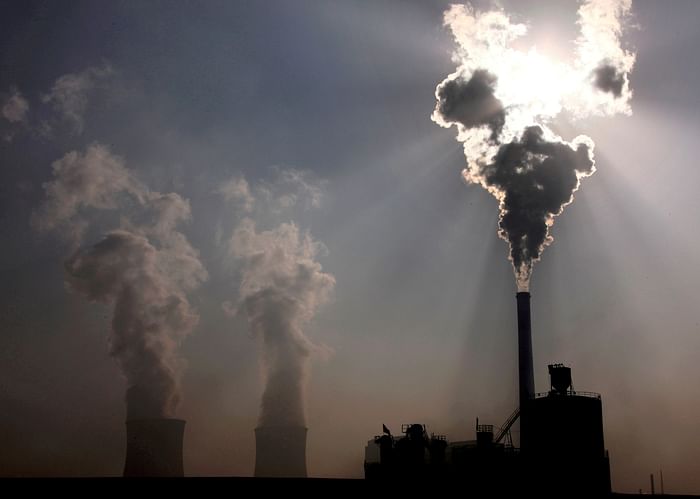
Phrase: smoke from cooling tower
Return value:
(502, 99)
(281, 289)
(143, 270)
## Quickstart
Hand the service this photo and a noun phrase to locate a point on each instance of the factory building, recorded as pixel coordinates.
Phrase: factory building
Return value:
(561, 447)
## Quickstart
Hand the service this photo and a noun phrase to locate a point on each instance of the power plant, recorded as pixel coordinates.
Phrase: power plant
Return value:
(561, 446)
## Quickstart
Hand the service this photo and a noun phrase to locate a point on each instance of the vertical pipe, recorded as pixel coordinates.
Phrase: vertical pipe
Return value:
(526, 377)
(525, 369)
(651, 478)
(661, 476)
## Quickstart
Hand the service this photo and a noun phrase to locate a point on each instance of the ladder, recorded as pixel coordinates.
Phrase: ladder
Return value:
(505, 429)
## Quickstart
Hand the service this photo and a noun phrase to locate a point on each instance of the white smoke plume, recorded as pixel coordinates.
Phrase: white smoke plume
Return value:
(290, 188)
(93, 179)
(236, 190)
(15, 107)
(143, 269)
(281, 289)
(502, 100)
(69, 93)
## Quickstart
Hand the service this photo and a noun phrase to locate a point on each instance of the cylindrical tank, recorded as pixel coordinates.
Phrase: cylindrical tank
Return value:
(280, 451)
(567, 447)
(154, 448)
(566, 424)
(560, 377)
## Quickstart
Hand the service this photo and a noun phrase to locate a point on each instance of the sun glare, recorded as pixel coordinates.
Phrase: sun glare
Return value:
(503, 98)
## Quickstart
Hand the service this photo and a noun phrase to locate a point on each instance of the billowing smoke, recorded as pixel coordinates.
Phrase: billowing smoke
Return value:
(501, 100)
(608, 79)
(471, 103)
(282, 287)
(143, 269)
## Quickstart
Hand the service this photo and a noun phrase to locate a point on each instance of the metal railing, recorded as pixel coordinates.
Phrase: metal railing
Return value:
(592, 395)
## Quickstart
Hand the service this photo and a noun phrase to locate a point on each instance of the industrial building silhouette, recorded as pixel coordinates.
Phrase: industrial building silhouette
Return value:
(561, 448)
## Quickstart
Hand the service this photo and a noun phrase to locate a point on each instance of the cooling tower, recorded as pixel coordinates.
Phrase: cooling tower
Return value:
(525, 369)
(154, 447)
(280, 451)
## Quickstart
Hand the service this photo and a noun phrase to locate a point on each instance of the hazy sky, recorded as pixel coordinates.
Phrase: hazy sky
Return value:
(421, 323)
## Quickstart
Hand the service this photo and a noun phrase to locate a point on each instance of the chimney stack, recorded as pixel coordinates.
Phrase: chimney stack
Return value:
(280, 451)
(525, 369)
(154, 448)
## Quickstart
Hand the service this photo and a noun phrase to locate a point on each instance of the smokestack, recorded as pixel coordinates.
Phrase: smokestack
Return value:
(280, 451)
(525, 369)
(154, 448)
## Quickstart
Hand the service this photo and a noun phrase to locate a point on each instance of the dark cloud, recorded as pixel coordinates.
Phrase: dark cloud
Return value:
(471, 103)
(608, 79)
(536, 179)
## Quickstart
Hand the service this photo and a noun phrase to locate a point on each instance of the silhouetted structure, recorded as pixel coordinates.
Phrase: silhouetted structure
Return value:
(280, 451)
(566, 450)
(154, 448)
(526, 375)
(567, 441)
(411, 456)
(562, 449)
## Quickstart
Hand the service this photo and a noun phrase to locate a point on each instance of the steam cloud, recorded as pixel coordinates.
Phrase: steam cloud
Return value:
(67, 101)
(15, 107)
(69, 93)
(143, 269)
(282, 287)
(501, 101)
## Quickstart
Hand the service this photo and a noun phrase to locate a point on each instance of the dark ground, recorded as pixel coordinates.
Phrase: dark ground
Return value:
(232, 485)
